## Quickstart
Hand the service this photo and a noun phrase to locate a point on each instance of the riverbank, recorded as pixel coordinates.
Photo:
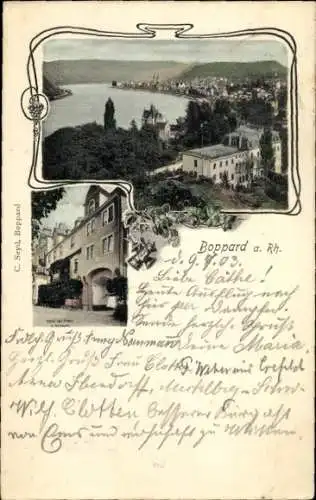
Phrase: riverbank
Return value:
(163, 92)
(63, 93)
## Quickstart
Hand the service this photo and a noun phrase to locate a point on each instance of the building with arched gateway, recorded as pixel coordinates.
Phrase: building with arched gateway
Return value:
(93, 249)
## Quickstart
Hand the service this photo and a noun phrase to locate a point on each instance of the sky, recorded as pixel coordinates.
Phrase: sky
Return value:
(68, 208)
(188, 51)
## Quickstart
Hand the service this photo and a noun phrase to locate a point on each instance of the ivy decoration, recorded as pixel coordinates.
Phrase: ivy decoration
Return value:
(162, 221)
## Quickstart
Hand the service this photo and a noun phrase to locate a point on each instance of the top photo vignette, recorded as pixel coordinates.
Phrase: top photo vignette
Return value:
(199, 123)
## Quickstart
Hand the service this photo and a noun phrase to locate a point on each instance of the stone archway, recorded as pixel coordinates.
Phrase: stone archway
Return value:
(97, 279)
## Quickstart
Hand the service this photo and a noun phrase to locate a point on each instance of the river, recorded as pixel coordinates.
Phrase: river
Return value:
(86, 105)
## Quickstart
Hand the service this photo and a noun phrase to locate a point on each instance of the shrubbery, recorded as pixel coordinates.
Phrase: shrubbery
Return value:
(277, 192)
(55, 294)
(120, 313)
(118, 286)
(90, 151)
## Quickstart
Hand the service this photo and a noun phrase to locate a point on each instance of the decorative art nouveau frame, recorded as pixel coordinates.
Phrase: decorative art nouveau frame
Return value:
(155, 220)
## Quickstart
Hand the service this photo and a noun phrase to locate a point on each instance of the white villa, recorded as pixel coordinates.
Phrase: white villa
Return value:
(237, 157)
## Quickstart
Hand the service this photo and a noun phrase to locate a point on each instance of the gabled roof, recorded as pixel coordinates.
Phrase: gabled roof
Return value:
(98, 189)
(117, 191)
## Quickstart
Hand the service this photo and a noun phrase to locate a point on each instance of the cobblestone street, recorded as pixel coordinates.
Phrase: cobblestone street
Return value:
(48, 316)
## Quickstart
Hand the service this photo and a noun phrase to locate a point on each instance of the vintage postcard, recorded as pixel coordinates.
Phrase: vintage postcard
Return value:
(158, 250)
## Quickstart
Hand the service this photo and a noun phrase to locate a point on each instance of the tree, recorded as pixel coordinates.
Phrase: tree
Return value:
(225, 181)
(256, 111)
(170, 190)
(43, 202)
(193, 117)
(284, 142)
(266, 152)
(249, 169)
(154, 113)
(133, 126)
(282, 102)
(109, 120)
(206, 125)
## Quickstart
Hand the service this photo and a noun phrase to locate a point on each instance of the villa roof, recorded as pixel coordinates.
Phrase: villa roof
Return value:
(215, 151)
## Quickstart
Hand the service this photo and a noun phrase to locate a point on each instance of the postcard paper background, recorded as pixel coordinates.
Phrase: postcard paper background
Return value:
(223, 466)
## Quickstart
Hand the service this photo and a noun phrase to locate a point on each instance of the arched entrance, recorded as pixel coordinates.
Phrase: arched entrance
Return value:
(98, 279)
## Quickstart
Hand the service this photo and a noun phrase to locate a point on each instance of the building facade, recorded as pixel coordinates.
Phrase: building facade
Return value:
(152, 118)
(93, 248)
(237, 159)
(40, 275)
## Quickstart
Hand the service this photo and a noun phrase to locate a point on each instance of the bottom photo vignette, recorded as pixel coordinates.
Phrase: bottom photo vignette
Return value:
(79, 256)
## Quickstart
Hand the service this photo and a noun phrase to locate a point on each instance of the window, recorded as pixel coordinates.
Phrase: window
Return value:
(72, 241)
(221, 175)
(91, 206)
(214, 165)
(89, 250)
(76, 266)
(108, 215)
(108, 244)
(232, 160)
(220, 163)
(111, 213)
(232, 177)
(90, 227)
(195, 163)
(226, 163)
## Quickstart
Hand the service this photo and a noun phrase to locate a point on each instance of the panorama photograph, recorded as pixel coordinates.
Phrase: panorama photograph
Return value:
(190, 123)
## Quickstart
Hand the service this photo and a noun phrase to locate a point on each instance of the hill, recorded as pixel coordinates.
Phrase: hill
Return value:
(65, 72)
(99, 71)
(235, 70)
(53, 91)
(49, 88)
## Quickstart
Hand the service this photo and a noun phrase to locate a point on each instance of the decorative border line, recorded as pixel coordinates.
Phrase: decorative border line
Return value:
(38, 105)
